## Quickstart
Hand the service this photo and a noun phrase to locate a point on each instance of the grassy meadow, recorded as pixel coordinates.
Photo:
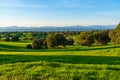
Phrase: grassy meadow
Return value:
(72, 63)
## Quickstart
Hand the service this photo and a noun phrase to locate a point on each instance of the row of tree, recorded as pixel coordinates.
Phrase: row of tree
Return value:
(14, 38)
(27, 36)
(97, 38)
(52, 41)
(85, 39)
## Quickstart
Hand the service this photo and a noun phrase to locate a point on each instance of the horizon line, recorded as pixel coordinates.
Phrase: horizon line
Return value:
(60, 26)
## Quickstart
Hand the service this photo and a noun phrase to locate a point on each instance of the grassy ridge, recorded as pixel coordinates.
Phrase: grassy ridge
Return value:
(72, 63)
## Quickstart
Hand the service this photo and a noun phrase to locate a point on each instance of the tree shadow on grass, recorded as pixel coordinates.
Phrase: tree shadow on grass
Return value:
(5, 59)
(10, 48)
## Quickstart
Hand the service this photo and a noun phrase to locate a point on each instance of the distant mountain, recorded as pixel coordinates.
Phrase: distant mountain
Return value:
(51, 28)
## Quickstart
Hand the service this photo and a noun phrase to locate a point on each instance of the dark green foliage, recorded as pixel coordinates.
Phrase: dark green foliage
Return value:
(25, 39)
(34, 34)
(7, 39)
(117, 27)
(85, 39)
(31, 38)
(115, 35)
(15, 38)
(8, 34)
(40, 35)
(56, 39)
(70, 41)
(37, 43)
(97, 37)
(29, 46)
(45, 43)
(101, 38)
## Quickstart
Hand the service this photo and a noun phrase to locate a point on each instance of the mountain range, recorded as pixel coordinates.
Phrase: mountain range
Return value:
(57, 28)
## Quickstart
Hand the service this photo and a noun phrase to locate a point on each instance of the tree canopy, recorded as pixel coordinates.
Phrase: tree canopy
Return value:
(115, 35)
(85, 39)
(56, 39)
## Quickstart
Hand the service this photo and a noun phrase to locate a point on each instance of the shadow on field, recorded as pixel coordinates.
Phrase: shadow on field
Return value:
(11, 48)
(6, 48)
(5, 59)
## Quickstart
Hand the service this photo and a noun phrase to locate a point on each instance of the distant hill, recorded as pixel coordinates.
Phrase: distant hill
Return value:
(51, 28)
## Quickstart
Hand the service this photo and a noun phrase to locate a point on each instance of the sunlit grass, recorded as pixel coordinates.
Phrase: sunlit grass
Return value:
(71, 63)
(58, 71)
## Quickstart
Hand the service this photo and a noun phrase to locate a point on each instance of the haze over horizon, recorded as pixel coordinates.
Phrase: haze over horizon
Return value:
(59, 12)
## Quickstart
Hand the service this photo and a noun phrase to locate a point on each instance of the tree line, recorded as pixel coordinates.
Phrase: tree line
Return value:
(52, 41)
(84, 38)
(89, 38)
(42, 40)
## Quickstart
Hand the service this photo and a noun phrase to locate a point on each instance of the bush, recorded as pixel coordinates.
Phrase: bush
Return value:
(70, 41)
(85, 39)
(45, 43)
(37, 43)
(56, 39)
(115, 35)
(7, 39)
(15, 38)
(101, 38)
(25, 39)
(29, 46)
(0, 36)
(31, 38)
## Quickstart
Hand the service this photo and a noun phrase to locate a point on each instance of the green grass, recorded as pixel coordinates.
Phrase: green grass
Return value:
(72, 63)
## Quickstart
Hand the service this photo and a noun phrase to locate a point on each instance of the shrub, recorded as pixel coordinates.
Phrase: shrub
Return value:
(31, 38)
(115, 35)
(101, 38)
(56, 39)
(29, 46)
(45, 43)
(7, 39)
(37, 43)
(25, 39)
(85, 39)
(15, 38)
(0, 36)
(70, 41)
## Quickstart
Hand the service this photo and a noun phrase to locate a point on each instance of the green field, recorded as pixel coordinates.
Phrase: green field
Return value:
(72, 63)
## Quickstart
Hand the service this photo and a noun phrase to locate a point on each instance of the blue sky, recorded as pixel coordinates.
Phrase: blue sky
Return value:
(59, 12)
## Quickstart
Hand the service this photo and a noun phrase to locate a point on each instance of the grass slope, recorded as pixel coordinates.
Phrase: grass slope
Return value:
(72, 63)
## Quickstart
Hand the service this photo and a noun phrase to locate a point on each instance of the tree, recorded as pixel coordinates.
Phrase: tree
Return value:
(56, 39)
(34, 34)
(115, 35)
(7, 39)
(85, 39)
(29, 46)
(45, 43)
(37, 43)
(70, 41)
(101, 38)
(0, 36)
(15, 38)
